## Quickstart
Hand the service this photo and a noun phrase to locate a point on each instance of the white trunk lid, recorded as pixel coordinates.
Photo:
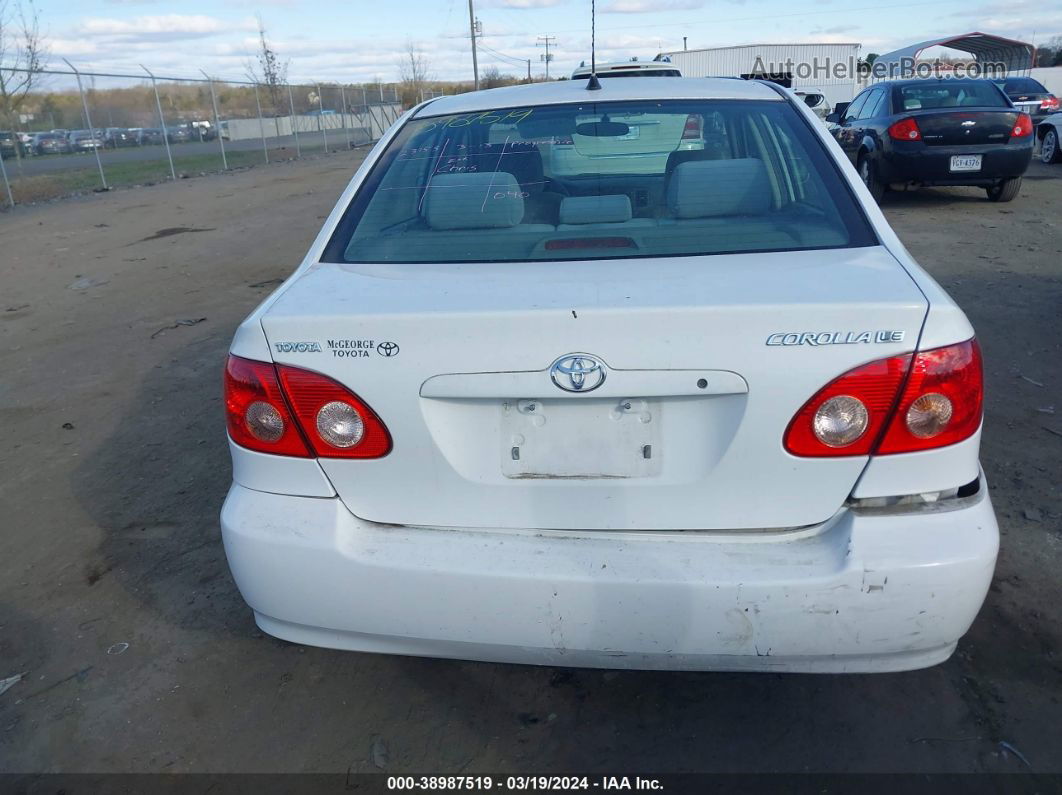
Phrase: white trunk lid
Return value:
(484, 438)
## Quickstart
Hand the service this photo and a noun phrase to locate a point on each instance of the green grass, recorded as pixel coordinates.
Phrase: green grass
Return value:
(85, 176)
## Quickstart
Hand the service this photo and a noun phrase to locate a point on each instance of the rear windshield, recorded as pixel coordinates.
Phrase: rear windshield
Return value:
(601, 180)
(949, 94)
(1023, 85)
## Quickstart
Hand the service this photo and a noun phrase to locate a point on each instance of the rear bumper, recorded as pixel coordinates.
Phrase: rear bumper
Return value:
(931, 165)
(863, 592)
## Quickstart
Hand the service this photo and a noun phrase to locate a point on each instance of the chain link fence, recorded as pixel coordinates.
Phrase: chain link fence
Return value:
(81, 130)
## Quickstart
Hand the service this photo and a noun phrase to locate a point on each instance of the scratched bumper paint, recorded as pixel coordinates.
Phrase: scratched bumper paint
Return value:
(859, 593)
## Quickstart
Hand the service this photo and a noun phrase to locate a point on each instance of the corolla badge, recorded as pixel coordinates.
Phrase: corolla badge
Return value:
(578, 372)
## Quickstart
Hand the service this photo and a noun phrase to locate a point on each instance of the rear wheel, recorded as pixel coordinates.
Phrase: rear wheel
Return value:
(1005, 191)
(1049, 148)
(870, 179)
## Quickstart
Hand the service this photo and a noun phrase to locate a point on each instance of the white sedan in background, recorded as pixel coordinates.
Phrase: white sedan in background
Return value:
(710, 415)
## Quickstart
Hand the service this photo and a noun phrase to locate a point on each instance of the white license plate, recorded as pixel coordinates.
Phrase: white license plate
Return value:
(966, 163)
(580, 438)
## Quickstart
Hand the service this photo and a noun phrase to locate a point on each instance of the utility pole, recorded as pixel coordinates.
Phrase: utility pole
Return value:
(528, 70)
(472, 30)
(547, 40)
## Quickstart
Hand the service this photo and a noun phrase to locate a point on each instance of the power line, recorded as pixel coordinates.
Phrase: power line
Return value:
(502, 55)
(547, 40)
(716, 20)
(511, 59)
(472, 29)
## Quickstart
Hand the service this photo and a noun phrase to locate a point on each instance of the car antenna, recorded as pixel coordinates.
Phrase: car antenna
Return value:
(593, 84)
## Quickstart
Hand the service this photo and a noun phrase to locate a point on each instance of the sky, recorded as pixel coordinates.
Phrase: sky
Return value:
(356, 41)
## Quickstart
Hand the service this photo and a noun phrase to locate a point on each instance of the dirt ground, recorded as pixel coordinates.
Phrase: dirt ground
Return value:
(138, 654)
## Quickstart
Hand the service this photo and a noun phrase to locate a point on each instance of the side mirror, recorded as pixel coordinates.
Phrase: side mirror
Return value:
(813, 100)
(834, 118)
(840, 108)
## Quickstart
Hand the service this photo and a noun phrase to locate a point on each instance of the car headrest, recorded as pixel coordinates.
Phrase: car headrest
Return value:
(479, 200)
(680, 156)
(595, 209)
(519, 158)
(912, 104)
(708, 188)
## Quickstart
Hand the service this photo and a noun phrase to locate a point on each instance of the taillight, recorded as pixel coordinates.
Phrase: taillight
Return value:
(258, 415)
(864, 413)
(337, 422)
(847, 415)
(289, 411)
(1050, 103)
(941, 401)
(692, 130)
(905, 130)
(1023, 126)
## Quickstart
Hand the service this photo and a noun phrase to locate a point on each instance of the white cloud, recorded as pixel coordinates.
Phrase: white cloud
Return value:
(834, 30)
(160, 27)
(649, 6)
(519, 4)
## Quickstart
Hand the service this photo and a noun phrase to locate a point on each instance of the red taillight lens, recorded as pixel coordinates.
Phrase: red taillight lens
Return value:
(874, 385)
(258, 415)
(863, 412)
(905, 130)
(1050, 103)
(941, 403)
(1023, 126)
(289, 411)
(694, 125)
(337, 422)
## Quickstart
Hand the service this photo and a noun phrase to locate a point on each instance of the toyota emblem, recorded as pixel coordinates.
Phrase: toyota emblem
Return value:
(387, 349)
(578, 372)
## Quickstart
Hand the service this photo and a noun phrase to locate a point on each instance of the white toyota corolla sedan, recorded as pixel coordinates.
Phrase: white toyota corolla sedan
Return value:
(636, 377)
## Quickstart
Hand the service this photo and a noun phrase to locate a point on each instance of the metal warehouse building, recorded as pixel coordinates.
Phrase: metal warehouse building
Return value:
(830, 69)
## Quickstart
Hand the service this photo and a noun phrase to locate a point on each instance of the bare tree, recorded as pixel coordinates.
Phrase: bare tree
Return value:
(22, 55)
(1055, 44)
(269, 69)
(414, 70)
(491, 77)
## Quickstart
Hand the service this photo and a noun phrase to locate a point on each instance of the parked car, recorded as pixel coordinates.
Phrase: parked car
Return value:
(202, 131)
(115, 137)
(1029, 95)
(1049, 131)
(814, 99)
(50, 143)
(148, 135)
(710, 416)
(9, 144)
(178, 134)
(85, 140)
(628, 69)
(936, 132)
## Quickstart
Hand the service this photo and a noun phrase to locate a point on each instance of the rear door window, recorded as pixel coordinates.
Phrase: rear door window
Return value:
(874, 105)
(600, 180)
